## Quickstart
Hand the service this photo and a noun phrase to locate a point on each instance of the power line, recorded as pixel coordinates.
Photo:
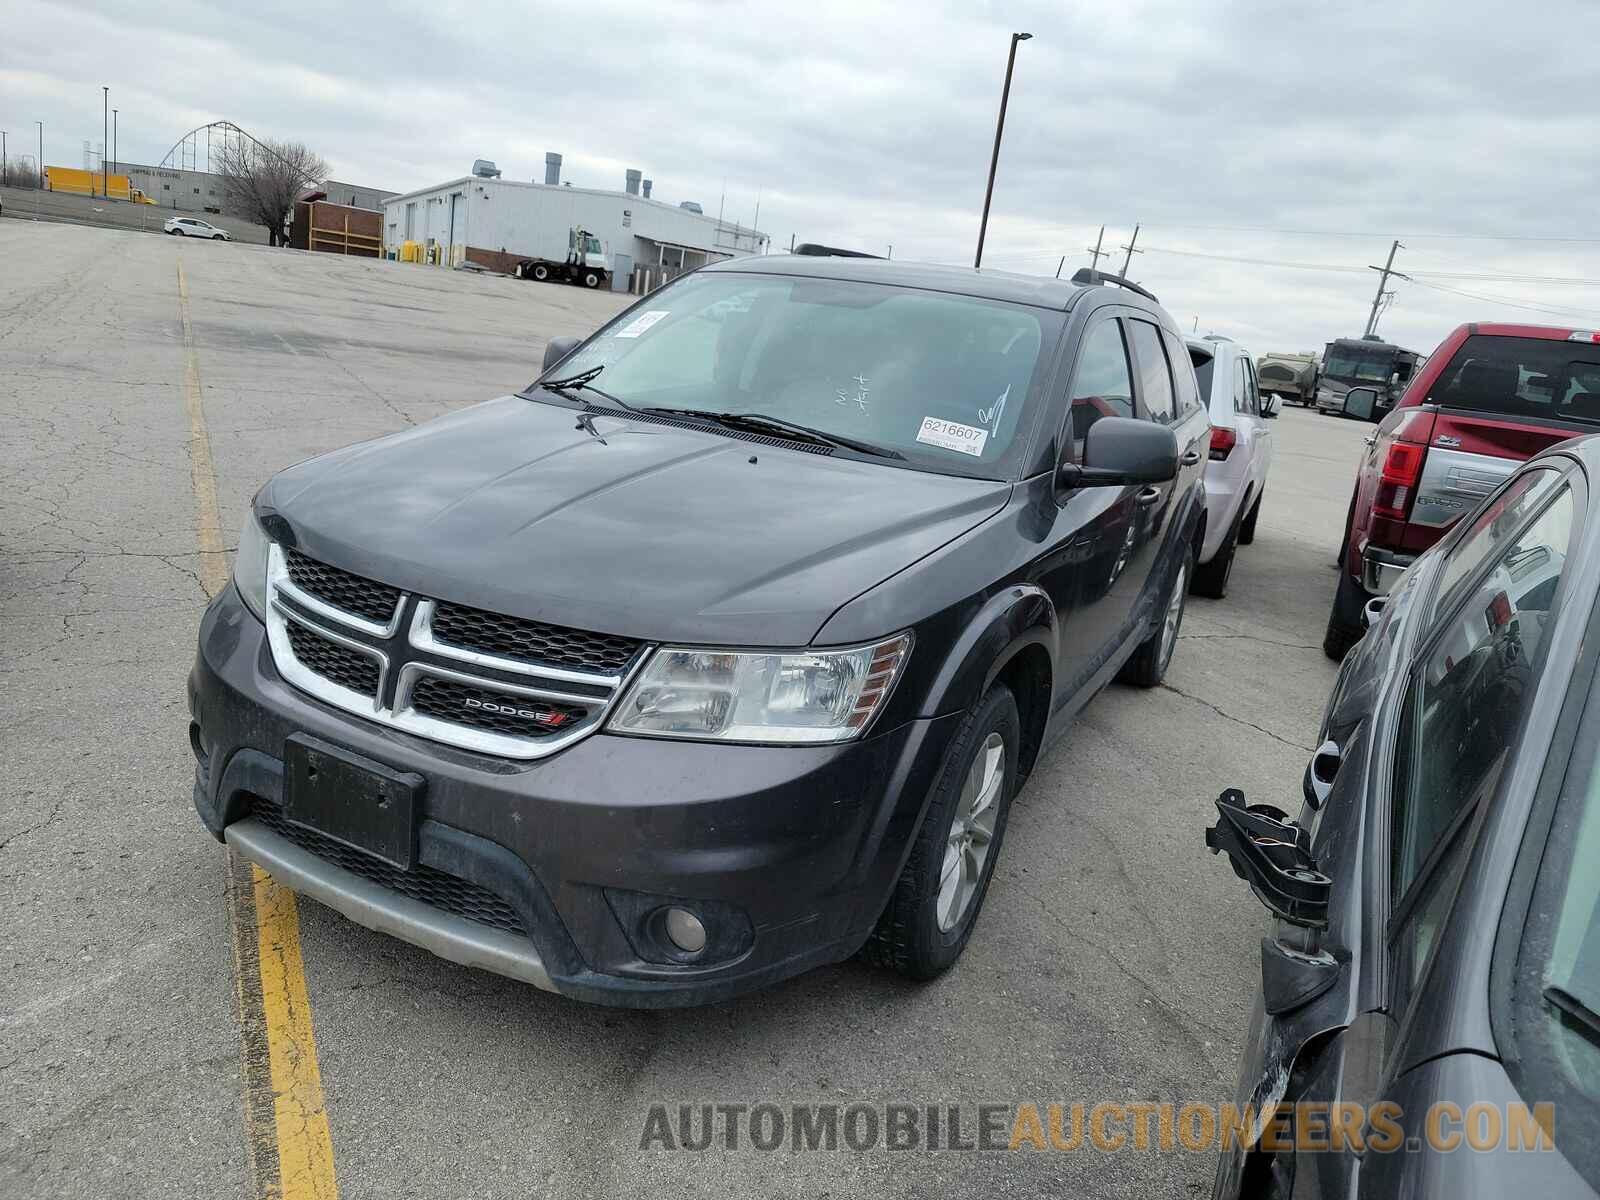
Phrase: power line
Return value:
(1447, 237)
(1488, 299)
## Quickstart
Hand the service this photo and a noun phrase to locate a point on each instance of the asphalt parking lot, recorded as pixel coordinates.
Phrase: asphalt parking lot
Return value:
(1114, 959)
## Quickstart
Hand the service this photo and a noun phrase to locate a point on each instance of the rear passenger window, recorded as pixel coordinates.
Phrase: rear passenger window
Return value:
(1528, 377)
(1155, 379)
(1241, 388)
(1183, 374)
(1467, 699)
(1102, 385)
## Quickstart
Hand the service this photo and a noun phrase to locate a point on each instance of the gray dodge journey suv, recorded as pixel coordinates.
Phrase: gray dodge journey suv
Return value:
(721, 651)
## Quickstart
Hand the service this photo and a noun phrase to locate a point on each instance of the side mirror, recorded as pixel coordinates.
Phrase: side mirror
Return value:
(1360, 401)
(1372, 611)
(558, 348)
(1121, 450)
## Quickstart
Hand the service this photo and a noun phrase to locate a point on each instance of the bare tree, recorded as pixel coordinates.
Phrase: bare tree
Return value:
(19, 173)
(263, 180)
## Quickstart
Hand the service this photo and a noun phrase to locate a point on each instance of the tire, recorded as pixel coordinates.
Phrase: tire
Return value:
(217, 237)
(924, 928)
(1247, 531)
(180, 233)
(1148, 666)
(591, 280)
(541, 272)
(1211, 578)
(1344, 621)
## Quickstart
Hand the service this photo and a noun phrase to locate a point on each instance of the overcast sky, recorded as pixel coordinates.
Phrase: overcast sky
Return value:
(1227, 130)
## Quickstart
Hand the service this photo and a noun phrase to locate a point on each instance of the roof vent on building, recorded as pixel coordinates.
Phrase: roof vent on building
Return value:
(648, 183)
(484, 168)
(692, 205)
(552, 169)
(632, 177)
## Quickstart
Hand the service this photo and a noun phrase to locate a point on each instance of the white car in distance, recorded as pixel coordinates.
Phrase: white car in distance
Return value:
(1241, 451)
(195, 227)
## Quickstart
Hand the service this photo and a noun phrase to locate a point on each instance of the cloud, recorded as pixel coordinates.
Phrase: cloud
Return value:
(870, 124)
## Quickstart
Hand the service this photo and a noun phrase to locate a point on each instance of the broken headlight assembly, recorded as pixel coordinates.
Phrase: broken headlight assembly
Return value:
(800, 697)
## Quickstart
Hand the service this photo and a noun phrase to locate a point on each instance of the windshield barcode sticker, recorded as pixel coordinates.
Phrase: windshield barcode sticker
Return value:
(642, 322)
(952, 435)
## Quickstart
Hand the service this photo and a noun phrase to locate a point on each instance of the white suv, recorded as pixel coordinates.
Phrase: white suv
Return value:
(1241, 451)
(195, 227)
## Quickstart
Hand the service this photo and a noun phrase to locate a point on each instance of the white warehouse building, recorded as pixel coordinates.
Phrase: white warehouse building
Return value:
(498, 223)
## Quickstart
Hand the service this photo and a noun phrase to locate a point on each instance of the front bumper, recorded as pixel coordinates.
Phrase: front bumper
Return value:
(1382, 569)
(786, 853)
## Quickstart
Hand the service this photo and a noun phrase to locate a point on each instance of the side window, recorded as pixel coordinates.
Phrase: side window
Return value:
(1468, 694)
(1183, 374)
(1497, 522)
(1102, 384)
(1241, 388)
(1252, 391)
(1155, 378)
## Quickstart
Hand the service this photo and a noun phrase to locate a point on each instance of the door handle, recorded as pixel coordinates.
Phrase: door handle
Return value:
(1190, 458)
(1145, 497)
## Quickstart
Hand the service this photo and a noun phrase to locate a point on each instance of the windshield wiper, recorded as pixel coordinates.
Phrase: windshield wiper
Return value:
(581, 382)
(1576, 1007)
(760, 423)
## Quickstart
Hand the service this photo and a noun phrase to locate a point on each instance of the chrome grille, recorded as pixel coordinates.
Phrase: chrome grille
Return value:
(531, 641)
(497, 685)
(374, 602)
(346, 667)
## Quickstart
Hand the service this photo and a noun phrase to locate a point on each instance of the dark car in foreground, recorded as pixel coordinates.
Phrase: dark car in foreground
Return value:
(721, 651)
(1431, 985)
(1490, 397)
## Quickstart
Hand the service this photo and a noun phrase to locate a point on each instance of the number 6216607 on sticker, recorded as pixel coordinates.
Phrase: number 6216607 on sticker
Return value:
(952, 435)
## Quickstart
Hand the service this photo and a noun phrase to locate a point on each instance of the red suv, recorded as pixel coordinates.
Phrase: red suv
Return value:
(1490, 397)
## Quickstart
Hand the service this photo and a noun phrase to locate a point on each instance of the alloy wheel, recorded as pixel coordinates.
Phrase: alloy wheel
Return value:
(971, 833)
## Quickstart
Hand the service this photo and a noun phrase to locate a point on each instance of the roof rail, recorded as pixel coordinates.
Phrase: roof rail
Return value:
(1087, 277)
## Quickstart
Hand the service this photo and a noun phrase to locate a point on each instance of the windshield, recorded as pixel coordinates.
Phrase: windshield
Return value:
(1341, 362)
(943, 380)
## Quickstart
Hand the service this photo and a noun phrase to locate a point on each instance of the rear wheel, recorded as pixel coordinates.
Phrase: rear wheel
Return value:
(1211, 578)
(1148, 666)
(930, 915)
(1247, 531)
(541, 272)
(1344, 621)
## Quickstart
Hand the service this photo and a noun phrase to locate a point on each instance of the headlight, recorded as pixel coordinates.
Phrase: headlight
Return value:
(747, 696)
(250, 566)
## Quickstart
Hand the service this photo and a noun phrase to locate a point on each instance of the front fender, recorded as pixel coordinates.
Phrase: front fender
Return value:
(1015, 617)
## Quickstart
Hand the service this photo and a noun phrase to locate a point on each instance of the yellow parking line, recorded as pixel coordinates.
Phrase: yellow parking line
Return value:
(286, 1119)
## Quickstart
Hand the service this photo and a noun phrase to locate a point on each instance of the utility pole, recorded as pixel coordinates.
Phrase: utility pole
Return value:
(1096, 252)
(891, 249)
(3, 156)
(1383, 281)
(105, 130)
(1061, 264)
(994, 159)
(1128, 259)
(40, 163)
(113, 137)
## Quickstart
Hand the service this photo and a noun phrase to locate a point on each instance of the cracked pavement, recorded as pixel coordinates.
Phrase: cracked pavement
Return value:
(1114, 959)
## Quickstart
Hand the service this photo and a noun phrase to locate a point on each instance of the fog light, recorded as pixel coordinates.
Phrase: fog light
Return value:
(685, 930)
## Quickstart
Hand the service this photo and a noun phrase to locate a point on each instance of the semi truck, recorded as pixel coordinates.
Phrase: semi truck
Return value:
(583, 260)
(77, 182)
(1366, 362)
(1292, 376)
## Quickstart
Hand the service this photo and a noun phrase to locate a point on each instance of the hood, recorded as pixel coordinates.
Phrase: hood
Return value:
(656, 533)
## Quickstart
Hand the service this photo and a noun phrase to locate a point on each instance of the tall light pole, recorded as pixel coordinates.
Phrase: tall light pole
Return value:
(2, 155)
(105, 129)
(113, 137)
(994, 159)
(40, 163)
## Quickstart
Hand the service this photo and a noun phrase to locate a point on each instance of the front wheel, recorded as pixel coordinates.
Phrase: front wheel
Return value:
(1247, 531)
(1148, 666)
(1211, 578)
(935, 903)
(591, 280)
(219, 237)
(177, 233)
